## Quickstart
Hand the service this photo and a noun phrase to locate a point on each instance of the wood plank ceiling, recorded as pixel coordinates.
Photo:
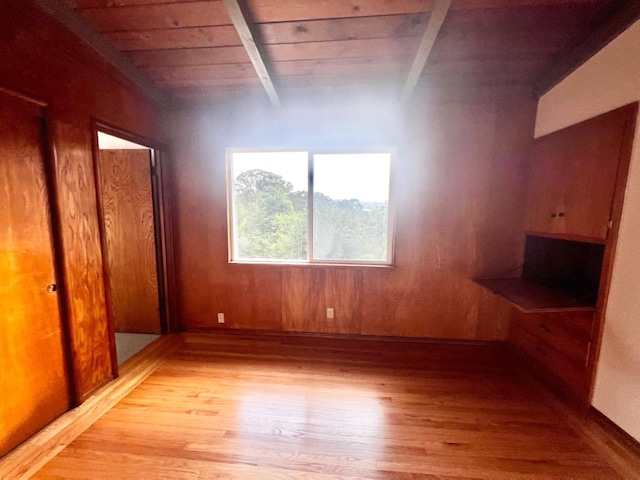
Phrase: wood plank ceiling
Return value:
(191, 48)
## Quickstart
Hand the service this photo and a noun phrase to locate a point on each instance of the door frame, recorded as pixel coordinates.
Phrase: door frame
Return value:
(162, 229)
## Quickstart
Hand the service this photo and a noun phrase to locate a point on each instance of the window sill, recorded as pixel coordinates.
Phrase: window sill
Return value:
(312, 265)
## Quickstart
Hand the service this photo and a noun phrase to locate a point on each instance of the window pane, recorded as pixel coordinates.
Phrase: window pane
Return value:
(270, 205)
(351, 206)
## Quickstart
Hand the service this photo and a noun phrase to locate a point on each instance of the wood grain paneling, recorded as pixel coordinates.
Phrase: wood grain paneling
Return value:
(303, 300)
(399, 48)
(189, 56)
(457, 5)
(343, 29)
(573, 177)
(127, 206)
(34, 385)
(477, 35)
(194, 37)
(168, 15)
(309, 68)
(40, 58)
(308, 292)
(117, 3)
(270, 11)
(459, 179)
(82, 257)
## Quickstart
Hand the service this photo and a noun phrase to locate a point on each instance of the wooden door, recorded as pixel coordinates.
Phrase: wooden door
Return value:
(127, 203)
(573, 177)
(592, 156)
(34, 387)
(545, 186)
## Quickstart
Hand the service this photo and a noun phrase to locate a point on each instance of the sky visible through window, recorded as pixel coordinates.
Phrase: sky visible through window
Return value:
(364, 176)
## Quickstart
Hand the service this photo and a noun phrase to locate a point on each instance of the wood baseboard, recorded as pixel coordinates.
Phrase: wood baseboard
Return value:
(26, 459)
(341, 336)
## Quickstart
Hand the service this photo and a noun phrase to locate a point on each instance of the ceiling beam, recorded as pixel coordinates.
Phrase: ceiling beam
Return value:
(248, 35)
(622, 17)
(436, 19)
(66, 15)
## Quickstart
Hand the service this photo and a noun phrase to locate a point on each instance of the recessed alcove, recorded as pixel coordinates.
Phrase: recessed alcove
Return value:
(557, 275)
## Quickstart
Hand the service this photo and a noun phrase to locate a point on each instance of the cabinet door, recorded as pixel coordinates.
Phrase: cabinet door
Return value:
(545, 186)
(34, 386)
(590, 170)
(573, 177)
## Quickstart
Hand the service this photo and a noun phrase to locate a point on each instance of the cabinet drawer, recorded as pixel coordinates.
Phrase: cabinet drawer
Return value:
(572, 375)
(569, 333)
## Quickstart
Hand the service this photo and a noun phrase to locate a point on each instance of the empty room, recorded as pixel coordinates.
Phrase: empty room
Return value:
(273, 239)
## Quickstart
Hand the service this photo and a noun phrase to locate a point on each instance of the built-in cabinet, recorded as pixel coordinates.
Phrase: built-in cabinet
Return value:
(576, 187)
(572, 178)
(559, 342)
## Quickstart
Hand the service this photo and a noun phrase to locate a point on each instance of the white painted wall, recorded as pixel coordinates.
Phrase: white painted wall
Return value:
(609, 80)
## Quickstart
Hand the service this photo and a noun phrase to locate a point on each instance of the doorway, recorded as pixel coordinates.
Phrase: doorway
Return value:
(132, 241)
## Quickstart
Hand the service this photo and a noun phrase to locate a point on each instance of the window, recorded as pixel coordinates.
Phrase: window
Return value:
(302, 206)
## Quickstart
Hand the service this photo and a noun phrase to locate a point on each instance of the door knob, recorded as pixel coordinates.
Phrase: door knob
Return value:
(52, 287)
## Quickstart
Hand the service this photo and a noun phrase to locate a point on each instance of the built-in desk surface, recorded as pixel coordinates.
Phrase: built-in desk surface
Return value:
(528, 296)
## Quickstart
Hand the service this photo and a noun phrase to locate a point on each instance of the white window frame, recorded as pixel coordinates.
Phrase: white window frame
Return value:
(311, 152)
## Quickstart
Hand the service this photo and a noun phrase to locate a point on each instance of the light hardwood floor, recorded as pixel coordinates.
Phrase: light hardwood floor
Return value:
(263, 407)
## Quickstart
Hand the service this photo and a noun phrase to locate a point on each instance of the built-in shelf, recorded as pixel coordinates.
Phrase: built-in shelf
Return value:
(530, 297)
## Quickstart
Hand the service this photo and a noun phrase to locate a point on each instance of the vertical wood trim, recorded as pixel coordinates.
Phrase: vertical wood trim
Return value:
(103, 248)
(248, 36)
(165, 182)
(158, 231)
(631, 112)
(424, 50)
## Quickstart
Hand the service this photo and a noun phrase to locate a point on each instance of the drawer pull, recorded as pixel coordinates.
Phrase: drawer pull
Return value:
(545, 328)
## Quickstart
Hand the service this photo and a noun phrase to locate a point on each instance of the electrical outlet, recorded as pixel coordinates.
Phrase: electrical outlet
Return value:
(221, 318)
(329, 312)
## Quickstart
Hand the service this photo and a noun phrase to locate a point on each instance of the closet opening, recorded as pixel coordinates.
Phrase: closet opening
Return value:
(132, 230)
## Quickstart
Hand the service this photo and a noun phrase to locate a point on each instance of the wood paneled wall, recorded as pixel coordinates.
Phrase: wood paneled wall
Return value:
(459, 187)
(42, 59)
